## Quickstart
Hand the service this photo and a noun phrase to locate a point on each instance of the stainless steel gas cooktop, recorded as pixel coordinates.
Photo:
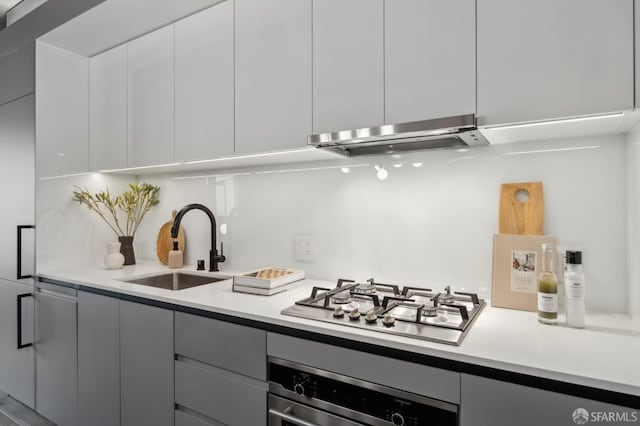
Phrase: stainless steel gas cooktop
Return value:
(415, 312)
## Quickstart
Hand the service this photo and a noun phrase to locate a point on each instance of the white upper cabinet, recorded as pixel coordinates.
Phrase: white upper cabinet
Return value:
(17, 71)
(150, 98)
(636, 21)
(108, 109)
(62, 103)
(273, 74)
(204, 84)
(348, 81)
(551, 59)
(17, 130)
(430, 58)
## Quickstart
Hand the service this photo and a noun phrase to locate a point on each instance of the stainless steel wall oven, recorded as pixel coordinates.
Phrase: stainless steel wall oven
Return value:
(304, 396)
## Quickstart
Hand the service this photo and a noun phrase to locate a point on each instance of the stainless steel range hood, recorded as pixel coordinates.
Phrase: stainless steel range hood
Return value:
(441, 133)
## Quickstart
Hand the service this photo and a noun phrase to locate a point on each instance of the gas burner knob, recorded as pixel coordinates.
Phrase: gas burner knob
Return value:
(371, 317)
(299, 388)
(430, 311)
(397, 419)
(354, 314)
(388, 320)
(338, 312)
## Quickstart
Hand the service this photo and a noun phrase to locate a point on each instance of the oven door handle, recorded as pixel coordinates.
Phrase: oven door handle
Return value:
(290, 417)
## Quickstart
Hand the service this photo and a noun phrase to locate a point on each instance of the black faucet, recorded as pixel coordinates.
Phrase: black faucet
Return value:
(214, 258)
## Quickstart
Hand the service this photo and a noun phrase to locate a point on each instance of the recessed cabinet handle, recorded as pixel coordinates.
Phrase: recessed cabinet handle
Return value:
(19, 254)
(290, 418)
(20, 344)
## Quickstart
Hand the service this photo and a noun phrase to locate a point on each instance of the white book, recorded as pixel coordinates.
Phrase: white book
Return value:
(268, 278)
(258, 290)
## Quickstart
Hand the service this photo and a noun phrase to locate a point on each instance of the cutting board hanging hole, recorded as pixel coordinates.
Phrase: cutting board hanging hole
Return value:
(522, 195)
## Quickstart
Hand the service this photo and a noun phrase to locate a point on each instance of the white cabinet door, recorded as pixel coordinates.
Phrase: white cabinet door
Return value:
(429, 59)
(150, 98)
(636, 21)
(204, 84)
(553, 59)
(108, 109)
(17, 126)
(62, 105)
(17, 71)
(16, 365)
(273, 74)
(348, 82)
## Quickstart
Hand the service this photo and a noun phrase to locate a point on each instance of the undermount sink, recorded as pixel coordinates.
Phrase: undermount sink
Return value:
(175, 280)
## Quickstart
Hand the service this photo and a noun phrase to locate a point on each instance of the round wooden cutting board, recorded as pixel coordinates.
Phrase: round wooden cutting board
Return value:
(165, 243)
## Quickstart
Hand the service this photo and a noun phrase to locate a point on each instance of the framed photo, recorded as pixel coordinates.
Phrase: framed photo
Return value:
(517, 260)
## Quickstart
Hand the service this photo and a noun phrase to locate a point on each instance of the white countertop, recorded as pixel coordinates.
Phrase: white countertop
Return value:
(605, 355)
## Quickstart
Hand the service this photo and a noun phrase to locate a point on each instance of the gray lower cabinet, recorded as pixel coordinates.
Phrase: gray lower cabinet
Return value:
(57, 354)
(220, 372)
(98, 360)
(410, 377)
(220, 395)
(190, 418)
(146, 365)
(488, 402)
(230, 346)
(16, 365)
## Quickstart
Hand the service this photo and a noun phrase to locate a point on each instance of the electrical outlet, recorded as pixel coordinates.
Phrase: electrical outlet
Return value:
(304, 247)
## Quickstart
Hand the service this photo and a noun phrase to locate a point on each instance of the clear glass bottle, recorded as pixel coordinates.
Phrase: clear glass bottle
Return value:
(574, 289)
(547, 288)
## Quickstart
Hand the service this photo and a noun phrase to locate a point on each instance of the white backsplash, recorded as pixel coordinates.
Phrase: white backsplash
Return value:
(430, 225)
(67, 234)
(633, 222)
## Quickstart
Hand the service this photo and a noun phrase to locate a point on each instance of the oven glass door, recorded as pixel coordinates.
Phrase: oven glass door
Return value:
(283, 412)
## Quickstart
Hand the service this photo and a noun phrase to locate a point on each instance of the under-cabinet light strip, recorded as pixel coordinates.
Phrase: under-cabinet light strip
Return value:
(133, 169)
(209, 176)
(66, 176)
(307, 169)
(212, 160)
(262, 154)
(546, 122)
(540, 151)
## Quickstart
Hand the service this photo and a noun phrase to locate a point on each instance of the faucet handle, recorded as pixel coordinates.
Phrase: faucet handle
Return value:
(221, 257)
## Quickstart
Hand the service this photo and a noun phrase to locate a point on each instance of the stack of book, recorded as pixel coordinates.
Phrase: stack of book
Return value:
(266, 281)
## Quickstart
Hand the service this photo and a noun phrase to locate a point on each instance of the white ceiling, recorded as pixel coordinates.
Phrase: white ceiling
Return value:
(114, 22)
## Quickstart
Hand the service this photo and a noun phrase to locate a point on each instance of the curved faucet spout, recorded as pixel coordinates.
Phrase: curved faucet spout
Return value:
(214, 258)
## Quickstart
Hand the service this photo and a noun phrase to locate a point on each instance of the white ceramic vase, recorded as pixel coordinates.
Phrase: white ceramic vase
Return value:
(114, 259)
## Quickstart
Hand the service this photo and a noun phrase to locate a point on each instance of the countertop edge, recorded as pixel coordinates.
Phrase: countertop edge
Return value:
(582, 386)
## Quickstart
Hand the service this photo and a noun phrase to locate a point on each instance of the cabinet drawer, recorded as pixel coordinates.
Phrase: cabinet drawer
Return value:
(410, 377)
(226, 397)
(183, 418)
(229, 346)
